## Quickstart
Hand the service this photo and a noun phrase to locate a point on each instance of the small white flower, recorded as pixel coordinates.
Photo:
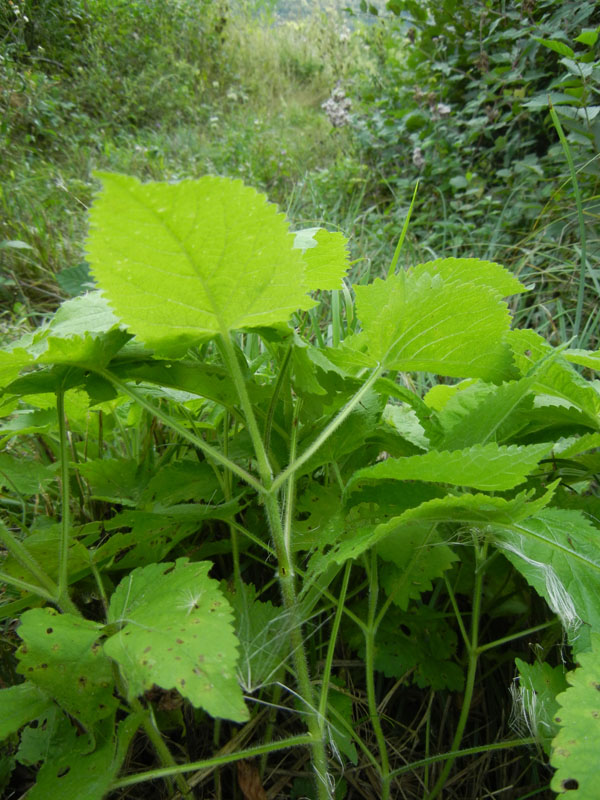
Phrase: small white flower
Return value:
(417, 157)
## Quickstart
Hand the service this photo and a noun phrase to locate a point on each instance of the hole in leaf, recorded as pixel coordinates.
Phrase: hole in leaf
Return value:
(61, 773)
(49, 630)
(569, 785)
(405, 630)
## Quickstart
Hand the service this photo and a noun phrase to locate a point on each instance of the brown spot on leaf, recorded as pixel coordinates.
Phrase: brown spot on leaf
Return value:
(179, 641)
(49, 630)
(147, 650)
(569, 785)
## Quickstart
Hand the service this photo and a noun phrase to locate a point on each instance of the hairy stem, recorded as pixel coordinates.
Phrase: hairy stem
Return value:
(251, 752)
(65, 525)
(370, 631)
(326, 432)
(473, 652)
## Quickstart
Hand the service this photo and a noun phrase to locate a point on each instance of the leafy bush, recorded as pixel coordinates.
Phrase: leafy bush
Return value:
(193, 414)
(459, 101)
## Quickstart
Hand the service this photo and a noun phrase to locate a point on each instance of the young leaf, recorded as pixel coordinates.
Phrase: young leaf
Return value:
(575, 748)
(263, 633)
(62, 656)
(535, 697)
(490, 467)
(187, 261)
(177, 633)
(445, 316)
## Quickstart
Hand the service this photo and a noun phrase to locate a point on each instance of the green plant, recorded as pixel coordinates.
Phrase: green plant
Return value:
(198, 413)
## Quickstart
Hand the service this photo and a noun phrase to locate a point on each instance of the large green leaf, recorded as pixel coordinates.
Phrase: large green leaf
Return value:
(177, 633)
(20, 704)
(575, 748)
(83, 331)
(490, 467)
(557, 552)
(445, 316)
(61, 655)
(185, 261)
(83, 767)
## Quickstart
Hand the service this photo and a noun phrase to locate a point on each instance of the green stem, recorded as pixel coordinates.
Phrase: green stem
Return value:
(63, 554)
(286, 577)
(473, 651)
(482, 648)
(209, 763)
(392, 268)
(287, 585)
(371, 630)
(290, 495)
(469, 751)
(276, 392)
(326, 433)
(332, 640)
(25, 559)
(270, 726)
(264, 468)
(24, 586)
(213, 452)
(336, 326)
(164, 754)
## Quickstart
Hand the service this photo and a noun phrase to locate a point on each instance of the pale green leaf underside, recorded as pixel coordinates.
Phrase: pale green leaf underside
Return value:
(585, 358)
(185, 261)
(557, 552)
(178, 634)
(482, 414)
(479, 510)
(325, 255)
(489, 467)
(575, 747)
(446, 316)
